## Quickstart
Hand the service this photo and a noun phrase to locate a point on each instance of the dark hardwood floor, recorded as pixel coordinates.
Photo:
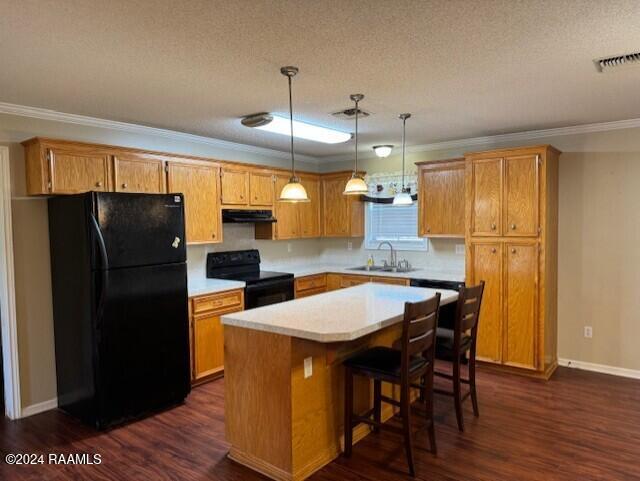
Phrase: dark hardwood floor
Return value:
(578, 426)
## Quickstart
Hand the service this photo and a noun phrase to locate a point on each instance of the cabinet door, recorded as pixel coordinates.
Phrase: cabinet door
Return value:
(208, 345)
(486, 265)
(235, 187)
(261, 189)
(521, 296)
(486, 197)
(335, 211)
(521, 191)
(286, 214)
(138, 174)
(309, 212)
(199, 184)
(441, 201)
(72, 172)
(349, 281)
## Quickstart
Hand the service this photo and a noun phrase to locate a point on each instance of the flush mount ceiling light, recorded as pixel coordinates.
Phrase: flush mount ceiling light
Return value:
(302, 130)
(403, 197)
(293, 191)
(356, 184)
(383, 150)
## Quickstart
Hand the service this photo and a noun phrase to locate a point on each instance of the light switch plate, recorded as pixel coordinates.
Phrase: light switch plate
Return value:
(289, 247)
(349, 246)
(460, 249)
(588, 332)
(308, 367)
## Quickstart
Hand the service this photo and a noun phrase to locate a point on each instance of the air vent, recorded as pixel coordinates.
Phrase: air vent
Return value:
(350, 113)
(610, 63)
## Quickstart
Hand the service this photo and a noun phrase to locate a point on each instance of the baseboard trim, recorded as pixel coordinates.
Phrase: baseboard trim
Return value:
(39, 407)
(601, 368)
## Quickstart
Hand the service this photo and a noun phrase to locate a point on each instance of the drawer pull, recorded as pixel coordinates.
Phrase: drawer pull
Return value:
(493, 227)
(124, 186)
(98, 184)
(493, 251)
(513, 227)
(513, 251)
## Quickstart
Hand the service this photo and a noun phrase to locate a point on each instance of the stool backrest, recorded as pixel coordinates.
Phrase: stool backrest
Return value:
(419, 330)
(468, 310)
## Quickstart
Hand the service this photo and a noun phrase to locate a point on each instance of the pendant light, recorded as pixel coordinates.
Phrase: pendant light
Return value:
(293, 191)
(403, 197)
(356, 184)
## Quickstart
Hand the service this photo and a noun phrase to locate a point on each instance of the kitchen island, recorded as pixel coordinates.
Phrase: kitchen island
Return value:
(284, 376)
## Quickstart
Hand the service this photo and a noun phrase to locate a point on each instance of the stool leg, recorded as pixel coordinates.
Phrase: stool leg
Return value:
(377, 403)
(429, 411)
(457, 394)
(472, 381)
(348, 411)
(405, 408)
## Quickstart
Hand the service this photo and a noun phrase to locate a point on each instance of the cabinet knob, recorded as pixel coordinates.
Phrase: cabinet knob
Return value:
(242, 196)
(124, 186)
(493, 227)
(513, 227)
(428, 229)
(213, 236)
(513, 251)
(98, 184)
(493, 251)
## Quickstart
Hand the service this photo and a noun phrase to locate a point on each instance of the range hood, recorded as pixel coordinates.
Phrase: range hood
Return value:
(247, 216)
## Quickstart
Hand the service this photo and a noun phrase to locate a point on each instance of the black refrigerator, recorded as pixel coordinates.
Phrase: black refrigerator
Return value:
(119, 283)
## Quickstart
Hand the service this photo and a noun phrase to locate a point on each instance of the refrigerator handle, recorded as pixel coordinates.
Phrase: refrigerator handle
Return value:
(105, 264)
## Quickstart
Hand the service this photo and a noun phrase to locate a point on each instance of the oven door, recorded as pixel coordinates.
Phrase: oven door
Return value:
(269, 292)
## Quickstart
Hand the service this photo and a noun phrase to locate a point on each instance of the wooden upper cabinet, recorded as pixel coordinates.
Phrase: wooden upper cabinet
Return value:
(342, 215)
(485, 178)
(441, 199)
(287, 225)
(138, 173)
(234, 186)
(73, 171)
(521, 195)
(521, 304)
(309, 212)
(486, 265)
(261, 188)
(200, 185)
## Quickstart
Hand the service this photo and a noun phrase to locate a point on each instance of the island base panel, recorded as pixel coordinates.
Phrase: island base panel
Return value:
(279, 423)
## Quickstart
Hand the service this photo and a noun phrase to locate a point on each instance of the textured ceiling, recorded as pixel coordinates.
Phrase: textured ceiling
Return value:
(463, 68)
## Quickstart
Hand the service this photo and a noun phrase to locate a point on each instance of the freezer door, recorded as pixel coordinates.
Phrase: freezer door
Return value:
(143, 341)
(139, 229)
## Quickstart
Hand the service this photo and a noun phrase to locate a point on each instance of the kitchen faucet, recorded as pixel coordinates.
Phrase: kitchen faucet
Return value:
(392, 253)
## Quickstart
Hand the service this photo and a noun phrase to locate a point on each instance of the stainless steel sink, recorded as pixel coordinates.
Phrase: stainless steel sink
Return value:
(380, 269)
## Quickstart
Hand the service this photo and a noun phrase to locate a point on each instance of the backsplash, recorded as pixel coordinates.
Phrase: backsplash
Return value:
(441, 254)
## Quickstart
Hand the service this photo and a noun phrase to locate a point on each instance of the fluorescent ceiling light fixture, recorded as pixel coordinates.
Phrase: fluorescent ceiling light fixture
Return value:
(382, 150)
(301, 130)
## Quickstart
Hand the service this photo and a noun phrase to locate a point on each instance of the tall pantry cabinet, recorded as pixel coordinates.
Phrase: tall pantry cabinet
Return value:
(511, 210)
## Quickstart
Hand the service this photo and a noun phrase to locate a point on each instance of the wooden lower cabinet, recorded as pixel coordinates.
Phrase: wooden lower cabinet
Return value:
(341, 281)
(207, 332)
(310, 285)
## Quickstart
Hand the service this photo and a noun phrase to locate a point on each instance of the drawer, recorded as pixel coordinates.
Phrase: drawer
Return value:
(311, 282)
(390, 280)
(349, 281)
(214, 302)
(310, 292)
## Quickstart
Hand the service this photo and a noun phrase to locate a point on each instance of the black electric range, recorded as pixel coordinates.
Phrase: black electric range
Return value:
(262, 287)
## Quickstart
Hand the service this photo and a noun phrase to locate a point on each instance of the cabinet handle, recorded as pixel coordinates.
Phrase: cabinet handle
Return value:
(98, 184)
(493, 251)
(124, 186)
(513, 250)
(513, 227)
(493, 227)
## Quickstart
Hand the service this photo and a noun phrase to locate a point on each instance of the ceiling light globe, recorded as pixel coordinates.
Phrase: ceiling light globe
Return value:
(294, 191)
(383, 150)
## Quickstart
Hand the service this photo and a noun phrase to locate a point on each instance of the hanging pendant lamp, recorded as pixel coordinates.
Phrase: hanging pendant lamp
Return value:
(403, 197)
(356, 184)
(293, 191)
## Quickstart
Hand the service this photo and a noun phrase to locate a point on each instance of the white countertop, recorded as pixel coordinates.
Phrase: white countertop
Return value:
(302, 270)
(202, 286)
(341, 315)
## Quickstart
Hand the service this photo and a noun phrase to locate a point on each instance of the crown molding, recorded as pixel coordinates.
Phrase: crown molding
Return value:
(504, 138)
(46, 114)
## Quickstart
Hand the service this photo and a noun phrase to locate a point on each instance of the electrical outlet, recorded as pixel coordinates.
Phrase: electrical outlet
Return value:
(588, 332)
(460, 249)
(349, 246)
(308, 367)
(289, 247)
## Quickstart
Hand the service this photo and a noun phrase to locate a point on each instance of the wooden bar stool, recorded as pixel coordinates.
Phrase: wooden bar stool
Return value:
(410, 367)
(455, 343)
